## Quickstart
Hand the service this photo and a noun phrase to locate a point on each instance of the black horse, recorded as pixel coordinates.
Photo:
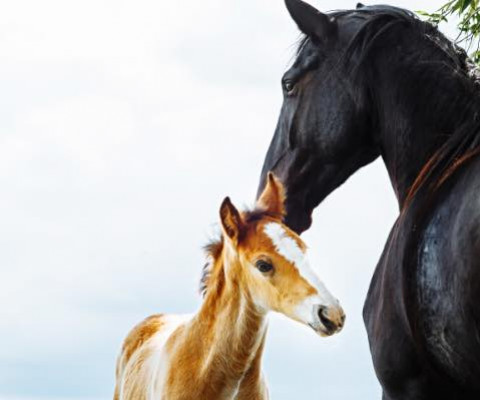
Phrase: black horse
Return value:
(377, 81)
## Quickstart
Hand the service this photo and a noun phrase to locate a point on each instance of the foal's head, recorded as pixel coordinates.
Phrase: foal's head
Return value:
(268, 262)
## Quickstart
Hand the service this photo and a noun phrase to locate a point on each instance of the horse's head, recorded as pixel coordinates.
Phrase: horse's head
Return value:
(325, 128)
(369, 81)
(271, 266)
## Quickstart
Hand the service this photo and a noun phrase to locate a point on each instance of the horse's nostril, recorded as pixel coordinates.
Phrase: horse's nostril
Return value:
(327, 322)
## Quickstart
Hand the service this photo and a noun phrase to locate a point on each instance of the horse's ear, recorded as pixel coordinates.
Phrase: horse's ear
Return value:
(273, 196)
(310, 21)
(232, 224)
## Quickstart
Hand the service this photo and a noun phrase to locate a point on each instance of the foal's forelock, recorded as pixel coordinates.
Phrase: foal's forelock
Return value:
(294, 252)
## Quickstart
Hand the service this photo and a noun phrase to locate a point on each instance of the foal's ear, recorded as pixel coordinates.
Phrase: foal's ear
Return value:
(232, 223)
(273, 196)
(313, 23)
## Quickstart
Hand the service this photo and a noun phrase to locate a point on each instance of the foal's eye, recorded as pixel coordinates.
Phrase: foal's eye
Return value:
(264, 266)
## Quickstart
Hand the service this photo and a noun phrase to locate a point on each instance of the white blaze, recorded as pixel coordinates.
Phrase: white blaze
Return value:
(289, 249)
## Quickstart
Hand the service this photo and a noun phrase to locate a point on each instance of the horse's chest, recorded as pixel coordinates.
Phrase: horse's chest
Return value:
(434, 284)
(386, 317)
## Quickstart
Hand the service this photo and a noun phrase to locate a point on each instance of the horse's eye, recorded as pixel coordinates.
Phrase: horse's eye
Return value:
(289, 86)
(264, 266)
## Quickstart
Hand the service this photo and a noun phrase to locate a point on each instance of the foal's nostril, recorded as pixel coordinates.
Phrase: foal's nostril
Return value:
(327, 322)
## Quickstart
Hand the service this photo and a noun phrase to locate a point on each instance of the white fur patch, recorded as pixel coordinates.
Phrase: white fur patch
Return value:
(289, 249)
(156, 367)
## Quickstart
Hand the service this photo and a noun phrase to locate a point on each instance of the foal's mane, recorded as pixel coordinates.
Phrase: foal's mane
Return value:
(380, 27)
(213, 249)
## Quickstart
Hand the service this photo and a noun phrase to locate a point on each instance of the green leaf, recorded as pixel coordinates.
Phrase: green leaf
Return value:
(423, 13)
(465, 4)
(468, 24)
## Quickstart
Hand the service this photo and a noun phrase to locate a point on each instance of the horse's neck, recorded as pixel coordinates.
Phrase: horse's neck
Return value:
(232, 328)
(414, 127)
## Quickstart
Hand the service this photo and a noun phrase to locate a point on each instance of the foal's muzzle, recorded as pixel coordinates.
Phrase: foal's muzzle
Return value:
(328, 319)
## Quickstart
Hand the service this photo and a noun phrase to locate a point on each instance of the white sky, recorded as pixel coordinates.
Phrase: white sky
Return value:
(123, 124)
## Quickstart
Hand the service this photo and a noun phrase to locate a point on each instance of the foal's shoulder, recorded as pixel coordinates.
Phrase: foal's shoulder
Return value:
(160, 326)
(141, 333)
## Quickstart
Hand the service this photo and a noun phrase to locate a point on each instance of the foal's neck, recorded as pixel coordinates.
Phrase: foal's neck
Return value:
(235, 328)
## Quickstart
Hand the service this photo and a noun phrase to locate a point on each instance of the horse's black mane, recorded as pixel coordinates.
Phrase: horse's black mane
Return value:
(378, 20)
(380, 27)
(214, 247)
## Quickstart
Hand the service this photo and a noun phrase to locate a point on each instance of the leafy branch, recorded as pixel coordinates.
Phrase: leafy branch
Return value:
(468, 26)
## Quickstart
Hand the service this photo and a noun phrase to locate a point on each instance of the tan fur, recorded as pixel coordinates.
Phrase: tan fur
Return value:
(217, 353)
(140, 334)
(135, 339)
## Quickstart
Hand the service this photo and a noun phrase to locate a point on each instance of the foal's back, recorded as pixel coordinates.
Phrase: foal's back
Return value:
(142, 359)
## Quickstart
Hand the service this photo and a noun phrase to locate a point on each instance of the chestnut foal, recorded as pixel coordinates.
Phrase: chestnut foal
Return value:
(258, 265)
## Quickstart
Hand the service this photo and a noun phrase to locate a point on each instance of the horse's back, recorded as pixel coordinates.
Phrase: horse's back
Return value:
(142, 358)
